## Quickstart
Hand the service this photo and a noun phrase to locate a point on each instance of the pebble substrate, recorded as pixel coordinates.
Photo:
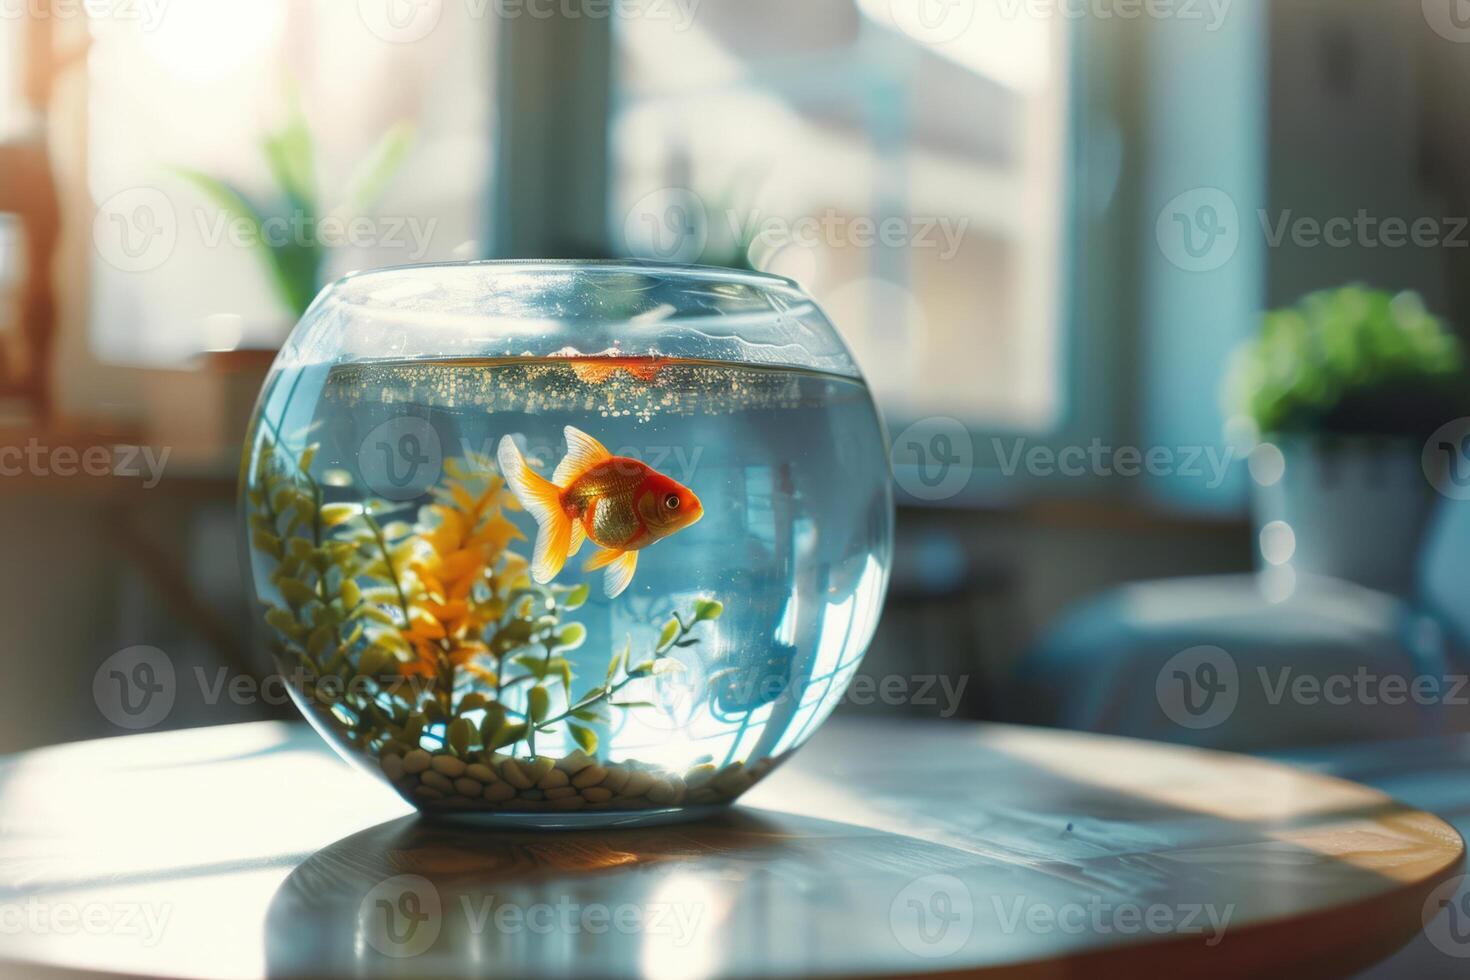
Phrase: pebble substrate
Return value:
(576, 782)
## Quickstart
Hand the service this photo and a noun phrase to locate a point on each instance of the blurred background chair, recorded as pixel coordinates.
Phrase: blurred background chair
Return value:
(1100, 667)
(32, 234)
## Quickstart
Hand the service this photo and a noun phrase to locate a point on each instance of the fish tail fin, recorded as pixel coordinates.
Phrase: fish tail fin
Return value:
(541, 498)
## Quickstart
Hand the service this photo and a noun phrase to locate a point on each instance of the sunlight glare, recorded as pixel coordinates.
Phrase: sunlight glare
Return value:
(204, 40)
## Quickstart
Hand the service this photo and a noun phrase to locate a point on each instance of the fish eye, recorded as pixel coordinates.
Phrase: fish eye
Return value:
(672, 501)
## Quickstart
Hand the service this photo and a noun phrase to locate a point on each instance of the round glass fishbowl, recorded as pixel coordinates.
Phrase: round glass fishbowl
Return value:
(567, 544)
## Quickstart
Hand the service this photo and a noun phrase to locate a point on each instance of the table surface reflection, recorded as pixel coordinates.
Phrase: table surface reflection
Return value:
(882, 848)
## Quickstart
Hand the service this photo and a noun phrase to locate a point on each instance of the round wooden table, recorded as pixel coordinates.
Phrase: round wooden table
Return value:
(881, 849)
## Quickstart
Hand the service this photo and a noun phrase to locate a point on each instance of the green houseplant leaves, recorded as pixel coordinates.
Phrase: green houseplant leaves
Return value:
(1350, 362)
(287, 232)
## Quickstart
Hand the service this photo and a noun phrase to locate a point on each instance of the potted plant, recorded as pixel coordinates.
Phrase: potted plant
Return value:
(1343, 389)
(294, 224)
(297, 262)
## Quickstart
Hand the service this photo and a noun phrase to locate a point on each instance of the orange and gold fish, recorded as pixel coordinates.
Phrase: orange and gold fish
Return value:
(622, 505)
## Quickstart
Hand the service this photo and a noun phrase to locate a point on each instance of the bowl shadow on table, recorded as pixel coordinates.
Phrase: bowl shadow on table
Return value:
(418, 897)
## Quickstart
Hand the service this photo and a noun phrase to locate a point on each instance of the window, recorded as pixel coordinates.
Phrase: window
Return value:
(910, 176)
(198, 90)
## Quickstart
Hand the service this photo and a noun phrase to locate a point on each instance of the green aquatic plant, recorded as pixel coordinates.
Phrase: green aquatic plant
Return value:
(623, 671)
(322, 624)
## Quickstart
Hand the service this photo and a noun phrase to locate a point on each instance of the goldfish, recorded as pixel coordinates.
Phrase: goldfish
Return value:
(620, 504)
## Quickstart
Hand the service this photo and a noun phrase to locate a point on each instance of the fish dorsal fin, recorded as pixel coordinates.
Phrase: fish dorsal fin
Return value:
(583, 453)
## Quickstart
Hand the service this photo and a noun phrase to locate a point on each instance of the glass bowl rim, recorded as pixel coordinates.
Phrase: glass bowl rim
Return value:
(528, 308)
(690, 272)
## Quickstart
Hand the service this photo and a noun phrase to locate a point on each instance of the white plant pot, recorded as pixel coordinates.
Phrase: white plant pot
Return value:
(1357, 510)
